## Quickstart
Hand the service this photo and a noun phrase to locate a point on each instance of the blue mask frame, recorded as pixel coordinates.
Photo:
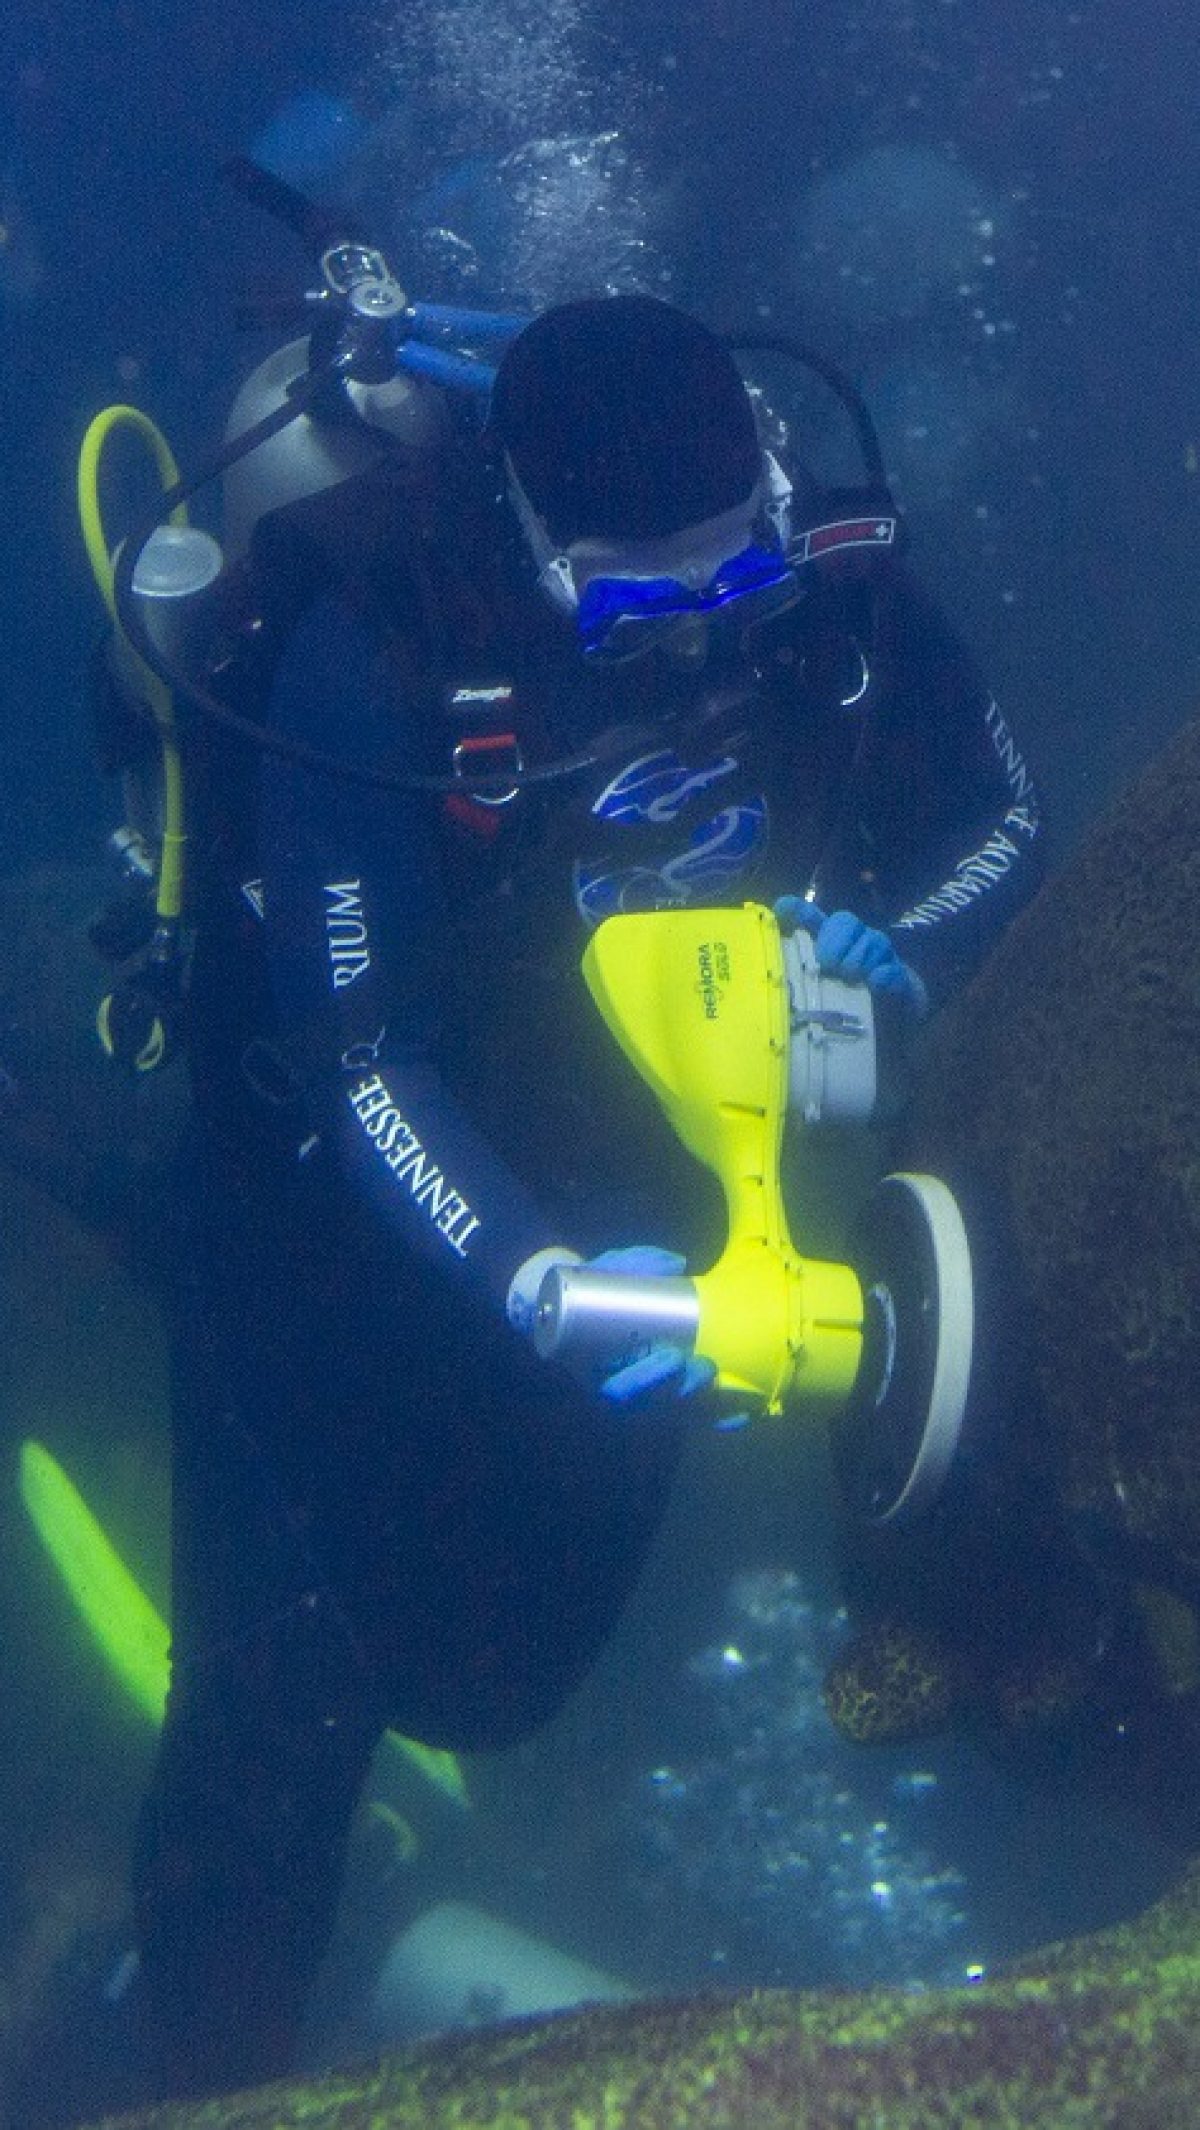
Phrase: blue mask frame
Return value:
(619, 617)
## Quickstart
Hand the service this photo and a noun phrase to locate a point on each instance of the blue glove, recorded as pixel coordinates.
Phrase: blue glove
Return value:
(848, 948)
(663, 1364)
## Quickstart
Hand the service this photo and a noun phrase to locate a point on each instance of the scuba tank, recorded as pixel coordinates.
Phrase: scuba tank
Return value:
(318, 450)
(315, 412)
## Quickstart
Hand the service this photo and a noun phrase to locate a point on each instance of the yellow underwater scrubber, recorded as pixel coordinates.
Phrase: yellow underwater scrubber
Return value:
(129, 1631)
(734, 1028)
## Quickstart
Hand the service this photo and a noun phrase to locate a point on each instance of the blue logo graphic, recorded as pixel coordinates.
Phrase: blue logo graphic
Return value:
(711, 860)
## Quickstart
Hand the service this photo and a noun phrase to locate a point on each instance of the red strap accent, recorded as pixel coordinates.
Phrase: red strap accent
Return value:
(851, 532)
(480, 816)
(487, 743)
(482, 821)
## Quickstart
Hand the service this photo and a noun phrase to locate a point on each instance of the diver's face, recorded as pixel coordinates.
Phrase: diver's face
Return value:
(627, 597)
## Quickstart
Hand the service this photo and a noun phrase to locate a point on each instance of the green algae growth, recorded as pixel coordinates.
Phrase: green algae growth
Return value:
(1101, 2032)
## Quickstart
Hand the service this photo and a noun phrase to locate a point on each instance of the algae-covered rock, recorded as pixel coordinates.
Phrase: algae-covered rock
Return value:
(1102, 2032)
(1055, 1588)
(1073, 1067)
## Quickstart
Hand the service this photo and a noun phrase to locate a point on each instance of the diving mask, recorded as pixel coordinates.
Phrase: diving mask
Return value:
(628, 597)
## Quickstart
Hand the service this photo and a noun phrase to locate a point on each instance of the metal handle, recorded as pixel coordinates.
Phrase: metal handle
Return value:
(598, 1317)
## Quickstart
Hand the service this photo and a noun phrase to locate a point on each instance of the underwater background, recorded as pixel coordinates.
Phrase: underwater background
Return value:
(990, 216)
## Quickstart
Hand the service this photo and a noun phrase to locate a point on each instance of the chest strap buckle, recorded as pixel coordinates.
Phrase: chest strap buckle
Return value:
(492, 752)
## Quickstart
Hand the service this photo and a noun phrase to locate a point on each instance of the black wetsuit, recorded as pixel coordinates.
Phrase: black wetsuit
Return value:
(387, 1511)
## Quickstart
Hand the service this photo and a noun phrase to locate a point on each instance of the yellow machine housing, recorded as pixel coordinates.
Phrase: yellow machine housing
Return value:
(699, 1003)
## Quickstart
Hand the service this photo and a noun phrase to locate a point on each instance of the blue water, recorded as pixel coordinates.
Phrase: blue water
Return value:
(989, 213)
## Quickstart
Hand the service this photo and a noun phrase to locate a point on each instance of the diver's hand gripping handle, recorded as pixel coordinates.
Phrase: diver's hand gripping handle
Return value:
(770, 1323)
(595, 1320)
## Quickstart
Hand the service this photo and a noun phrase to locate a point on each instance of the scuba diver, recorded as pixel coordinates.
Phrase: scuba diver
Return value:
(602, 651)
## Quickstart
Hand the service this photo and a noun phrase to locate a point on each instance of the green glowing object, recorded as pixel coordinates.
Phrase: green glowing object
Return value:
(129, 1631)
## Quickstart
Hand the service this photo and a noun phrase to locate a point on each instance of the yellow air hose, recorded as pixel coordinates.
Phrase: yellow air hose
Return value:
(169, 898)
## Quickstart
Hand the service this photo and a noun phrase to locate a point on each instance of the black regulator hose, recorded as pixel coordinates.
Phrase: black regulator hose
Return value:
(316, 228)
(866, 434)
(302, 397)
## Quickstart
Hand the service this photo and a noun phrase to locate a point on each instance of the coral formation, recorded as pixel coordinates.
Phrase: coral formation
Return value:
(894, 1685)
